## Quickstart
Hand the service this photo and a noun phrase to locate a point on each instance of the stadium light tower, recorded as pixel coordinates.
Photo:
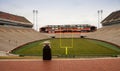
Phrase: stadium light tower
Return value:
(37, 20)
(98, 17)
(100, 12)
(35, 17)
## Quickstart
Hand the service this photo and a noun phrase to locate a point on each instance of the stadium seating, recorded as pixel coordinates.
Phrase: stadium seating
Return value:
(11, 17)
(107, 33)
(113, 18)
(12, 37)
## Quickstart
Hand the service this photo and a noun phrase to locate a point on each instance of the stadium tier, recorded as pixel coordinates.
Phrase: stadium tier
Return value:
(11, 37)
(16, 31)
(110, 31)
(7, 19)
(107, 33)
(113, 18)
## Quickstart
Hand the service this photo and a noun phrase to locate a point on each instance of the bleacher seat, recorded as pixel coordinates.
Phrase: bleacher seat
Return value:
(12, 37)
(107, 33)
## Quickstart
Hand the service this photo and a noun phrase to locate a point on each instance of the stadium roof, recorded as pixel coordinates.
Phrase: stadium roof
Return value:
(14, 18)
(114, 16)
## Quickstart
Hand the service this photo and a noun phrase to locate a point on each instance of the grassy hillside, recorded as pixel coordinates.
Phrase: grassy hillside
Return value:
(75, 47)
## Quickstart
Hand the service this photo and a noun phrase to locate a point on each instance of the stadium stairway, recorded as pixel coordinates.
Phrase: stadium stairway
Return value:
(12, 37)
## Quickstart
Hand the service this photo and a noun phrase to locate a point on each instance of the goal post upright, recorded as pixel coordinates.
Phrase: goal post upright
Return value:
(71, 33)
(60, 36)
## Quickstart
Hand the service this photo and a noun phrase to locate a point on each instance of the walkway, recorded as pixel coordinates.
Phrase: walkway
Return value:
(109, 64)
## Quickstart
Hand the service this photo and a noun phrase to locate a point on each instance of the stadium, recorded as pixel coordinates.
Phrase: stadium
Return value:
(16, 31)
(17, 37)
(19, 41)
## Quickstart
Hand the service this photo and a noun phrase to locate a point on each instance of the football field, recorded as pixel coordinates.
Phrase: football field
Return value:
(70, 47)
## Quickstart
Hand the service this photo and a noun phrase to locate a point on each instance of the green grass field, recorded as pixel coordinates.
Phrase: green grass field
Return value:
(75, 47)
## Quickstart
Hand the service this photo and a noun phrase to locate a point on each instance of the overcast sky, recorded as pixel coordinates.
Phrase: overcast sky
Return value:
(61, 11)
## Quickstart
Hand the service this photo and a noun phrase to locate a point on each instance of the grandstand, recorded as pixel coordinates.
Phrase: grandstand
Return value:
(16, 31)
(110, 31)
(7, 19)
(67, 31)
(112, 19)
(76, 28)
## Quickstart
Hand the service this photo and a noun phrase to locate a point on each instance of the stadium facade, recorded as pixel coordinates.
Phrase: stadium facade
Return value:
(67, 28)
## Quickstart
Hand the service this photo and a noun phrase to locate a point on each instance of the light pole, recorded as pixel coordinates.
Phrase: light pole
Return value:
(100, 12)
(37, 20)
(35, 17)
(98, 18)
